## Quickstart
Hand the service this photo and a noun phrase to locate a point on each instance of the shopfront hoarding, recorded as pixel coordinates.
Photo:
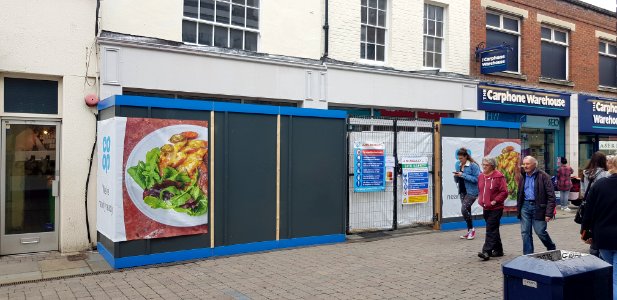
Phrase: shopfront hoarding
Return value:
(597, 115)
(507, 152)
(152, 178)
(509, 99)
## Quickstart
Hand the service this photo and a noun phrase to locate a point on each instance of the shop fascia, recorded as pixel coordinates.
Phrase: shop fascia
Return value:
(597, 115)
(522, 100)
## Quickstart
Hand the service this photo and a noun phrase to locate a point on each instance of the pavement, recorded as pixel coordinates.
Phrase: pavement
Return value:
(29, 267)
(435, 265)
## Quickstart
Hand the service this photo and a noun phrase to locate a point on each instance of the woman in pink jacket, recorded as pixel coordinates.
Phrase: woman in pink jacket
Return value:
(493, 192)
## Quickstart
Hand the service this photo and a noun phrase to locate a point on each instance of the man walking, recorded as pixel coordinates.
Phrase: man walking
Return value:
(536, 204)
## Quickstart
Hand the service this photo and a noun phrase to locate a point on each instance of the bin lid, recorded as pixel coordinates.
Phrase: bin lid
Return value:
(553, 267)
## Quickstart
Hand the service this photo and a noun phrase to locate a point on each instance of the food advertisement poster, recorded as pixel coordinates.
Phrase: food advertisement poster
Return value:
(507, 153)
(153, 178)
(415, 179)
(369, 167)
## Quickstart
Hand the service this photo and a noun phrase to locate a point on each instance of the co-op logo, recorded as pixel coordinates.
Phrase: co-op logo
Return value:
(106, 158)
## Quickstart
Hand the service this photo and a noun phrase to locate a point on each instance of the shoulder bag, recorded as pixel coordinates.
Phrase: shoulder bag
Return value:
(580, 212)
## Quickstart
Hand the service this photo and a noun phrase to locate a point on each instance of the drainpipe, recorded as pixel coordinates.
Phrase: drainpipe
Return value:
(96, 21)
(326, 28)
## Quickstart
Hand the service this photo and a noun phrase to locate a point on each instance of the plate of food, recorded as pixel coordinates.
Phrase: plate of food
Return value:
(166, 175)
(507, 155)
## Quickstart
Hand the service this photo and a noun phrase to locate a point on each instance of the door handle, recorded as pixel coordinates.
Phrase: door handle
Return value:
(35, 240)
(55, 186)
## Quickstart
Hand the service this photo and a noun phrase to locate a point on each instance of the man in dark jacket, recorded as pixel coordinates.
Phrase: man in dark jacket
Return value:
(536, 204)
(600, 220)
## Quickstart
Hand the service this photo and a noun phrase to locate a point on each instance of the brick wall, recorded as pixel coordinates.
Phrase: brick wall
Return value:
(583, 49)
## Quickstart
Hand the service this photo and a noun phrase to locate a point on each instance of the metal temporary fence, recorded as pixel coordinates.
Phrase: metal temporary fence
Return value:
(384, 210)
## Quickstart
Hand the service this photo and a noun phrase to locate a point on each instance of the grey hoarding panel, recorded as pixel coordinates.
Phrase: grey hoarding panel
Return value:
(245, 178)
(316, 183)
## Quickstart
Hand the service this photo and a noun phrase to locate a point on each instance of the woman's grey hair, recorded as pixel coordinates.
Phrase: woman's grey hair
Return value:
(612, 159)
(491, 161)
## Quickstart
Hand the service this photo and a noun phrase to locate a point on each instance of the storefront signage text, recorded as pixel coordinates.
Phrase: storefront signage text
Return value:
(597, 115)
(512, 100)
(493, 60)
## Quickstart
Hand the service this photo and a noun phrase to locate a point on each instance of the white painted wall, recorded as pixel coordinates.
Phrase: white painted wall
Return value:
(214, 74)
(151, 18)
(347, 86)
(291, 28)
(572, 134)
(51, 40)
(404, 42)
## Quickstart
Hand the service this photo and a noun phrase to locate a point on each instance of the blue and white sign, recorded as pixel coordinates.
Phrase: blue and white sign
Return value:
(493, 59)
(508, 99)
(597, 115)
(369, 167)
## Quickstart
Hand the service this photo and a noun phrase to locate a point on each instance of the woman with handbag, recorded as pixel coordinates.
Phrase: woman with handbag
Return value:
(596, 169)
(599, 226)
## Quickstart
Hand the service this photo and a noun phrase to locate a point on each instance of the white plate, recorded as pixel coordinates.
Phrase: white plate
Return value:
(156, 139)
(497, 150)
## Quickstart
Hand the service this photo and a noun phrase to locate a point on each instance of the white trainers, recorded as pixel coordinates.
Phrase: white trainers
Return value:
(567, 209)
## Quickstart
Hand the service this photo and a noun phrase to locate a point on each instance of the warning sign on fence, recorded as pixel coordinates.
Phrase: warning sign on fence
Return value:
(369, 167)
(415, 179)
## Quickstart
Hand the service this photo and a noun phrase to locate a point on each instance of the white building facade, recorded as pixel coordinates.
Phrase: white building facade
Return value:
(418, 62)
(368, 56)
(48, 65)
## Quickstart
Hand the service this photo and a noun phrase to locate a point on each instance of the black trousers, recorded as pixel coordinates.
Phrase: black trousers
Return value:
(493, 238)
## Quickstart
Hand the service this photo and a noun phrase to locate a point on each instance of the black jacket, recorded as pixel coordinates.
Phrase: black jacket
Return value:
(601, 213)
(545, 196)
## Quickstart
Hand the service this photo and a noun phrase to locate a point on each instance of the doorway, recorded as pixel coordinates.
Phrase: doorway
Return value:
(29, 206)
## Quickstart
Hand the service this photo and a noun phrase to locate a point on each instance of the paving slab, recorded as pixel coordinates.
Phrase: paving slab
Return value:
(61, 264)
(20, 277)
(19, 267)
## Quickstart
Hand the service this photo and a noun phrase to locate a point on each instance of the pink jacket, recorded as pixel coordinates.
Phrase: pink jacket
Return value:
(492, 188)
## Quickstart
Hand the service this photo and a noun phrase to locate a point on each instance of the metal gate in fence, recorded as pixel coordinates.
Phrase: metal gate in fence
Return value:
(371, 211)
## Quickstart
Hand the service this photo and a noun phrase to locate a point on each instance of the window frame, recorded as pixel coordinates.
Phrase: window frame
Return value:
(229, 26)
(60, 103)
(502, 29)
(606, 53)
(386, 34)
(553, 41)
(427, 35)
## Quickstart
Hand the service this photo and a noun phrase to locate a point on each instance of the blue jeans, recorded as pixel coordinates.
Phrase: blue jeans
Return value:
(610, 256)
(539, 227)
(564, 198)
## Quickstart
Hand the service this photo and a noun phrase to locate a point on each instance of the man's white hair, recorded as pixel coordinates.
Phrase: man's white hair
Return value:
(532, 159)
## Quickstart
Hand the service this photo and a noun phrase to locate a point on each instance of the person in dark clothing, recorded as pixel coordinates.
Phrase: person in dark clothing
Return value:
(493, 190)
(600, 219)
(536, 204)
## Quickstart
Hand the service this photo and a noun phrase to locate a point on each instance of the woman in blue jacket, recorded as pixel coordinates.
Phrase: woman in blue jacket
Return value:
(466, 176)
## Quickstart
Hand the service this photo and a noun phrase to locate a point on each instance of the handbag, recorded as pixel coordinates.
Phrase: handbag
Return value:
(580, 212)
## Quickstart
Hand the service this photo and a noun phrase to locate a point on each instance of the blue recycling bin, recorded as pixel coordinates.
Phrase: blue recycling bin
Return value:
(557, 274)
